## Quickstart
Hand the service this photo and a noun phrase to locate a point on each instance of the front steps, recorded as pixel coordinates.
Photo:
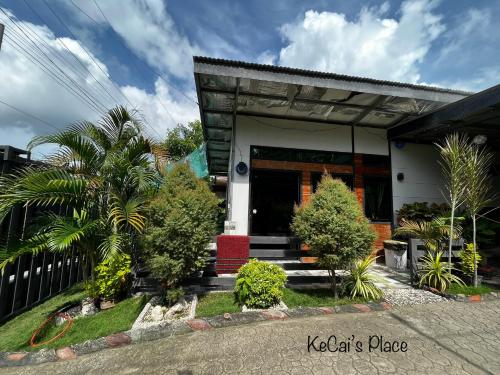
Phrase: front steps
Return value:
(282, 251)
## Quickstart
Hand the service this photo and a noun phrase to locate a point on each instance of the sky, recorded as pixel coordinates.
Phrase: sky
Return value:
(64, 61)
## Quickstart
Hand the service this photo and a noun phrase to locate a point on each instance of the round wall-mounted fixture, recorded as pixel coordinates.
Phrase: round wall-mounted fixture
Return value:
(241, 168)
(399, 145)
(400, 176)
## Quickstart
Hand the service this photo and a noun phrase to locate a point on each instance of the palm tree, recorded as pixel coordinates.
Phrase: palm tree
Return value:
(453, 169)
(430, 232)
(104, 172)
(479, 193)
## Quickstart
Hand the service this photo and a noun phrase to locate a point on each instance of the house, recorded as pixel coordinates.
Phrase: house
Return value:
(274, 130)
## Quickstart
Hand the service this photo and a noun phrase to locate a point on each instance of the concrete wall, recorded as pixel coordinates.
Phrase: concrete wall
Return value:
(422, 174)
(252, 131)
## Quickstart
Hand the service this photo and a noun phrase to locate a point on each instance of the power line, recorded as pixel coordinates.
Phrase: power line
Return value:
(29, 115)
(120, 41)
(95, 62)
(90, 98)
(61, 42)
(13, 43)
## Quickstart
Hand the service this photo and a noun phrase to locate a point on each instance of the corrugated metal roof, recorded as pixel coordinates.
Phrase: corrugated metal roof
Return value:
(316, 74)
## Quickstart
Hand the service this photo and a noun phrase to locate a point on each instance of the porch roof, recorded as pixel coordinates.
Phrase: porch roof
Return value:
(478, 114)
(229, 88)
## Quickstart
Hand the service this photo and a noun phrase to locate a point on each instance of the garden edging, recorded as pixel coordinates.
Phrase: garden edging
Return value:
(463, 298)
(8, 359)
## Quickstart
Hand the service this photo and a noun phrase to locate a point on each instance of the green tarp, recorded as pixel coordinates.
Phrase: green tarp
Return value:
(197, 161)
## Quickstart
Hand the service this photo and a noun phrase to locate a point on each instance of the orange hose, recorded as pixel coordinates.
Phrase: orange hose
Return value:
(68, 325)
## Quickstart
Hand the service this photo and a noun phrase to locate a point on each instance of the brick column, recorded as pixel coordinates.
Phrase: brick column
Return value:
(306, 186)
(358, 178)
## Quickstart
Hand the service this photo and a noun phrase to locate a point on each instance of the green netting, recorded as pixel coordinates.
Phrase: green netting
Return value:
(197, 161)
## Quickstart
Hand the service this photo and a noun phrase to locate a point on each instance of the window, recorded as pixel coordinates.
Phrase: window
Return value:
(379, 161)
(378, 198)
(304, 156)
(346, 178)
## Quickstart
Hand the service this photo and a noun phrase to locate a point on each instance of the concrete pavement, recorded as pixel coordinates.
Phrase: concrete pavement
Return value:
(450, 338)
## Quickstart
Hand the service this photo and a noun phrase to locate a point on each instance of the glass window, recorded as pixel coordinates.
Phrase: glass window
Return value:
(380, 161)
(378, 198)
(346, 178)
(304, 156)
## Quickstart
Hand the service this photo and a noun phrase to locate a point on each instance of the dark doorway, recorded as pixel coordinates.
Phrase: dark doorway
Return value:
(274, 193)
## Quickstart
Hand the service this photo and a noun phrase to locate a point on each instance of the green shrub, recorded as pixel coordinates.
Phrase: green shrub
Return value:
(180, 223)
(436, 273)
(422, 211)
(112, 278)
(259, 284)
(332, 223)
(360, 283)
(467, 259)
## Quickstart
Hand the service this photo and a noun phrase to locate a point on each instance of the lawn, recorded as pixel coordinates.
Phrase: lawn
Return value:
(221, 302)
(16, 333)
(470, 290)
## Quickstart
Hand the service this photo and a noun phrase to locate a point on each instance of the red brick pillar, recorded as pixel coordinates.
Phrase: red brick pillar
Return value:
(306, 186)
(359, 189)
(232, 253)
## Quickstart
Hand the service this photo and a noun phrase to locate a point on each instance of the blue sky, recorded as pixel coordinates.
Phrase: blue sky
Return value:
(447, 43)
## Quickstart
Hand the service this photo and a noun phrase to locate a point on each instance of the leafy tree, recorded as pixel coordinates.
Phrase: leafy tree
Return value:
(453, 169)
(479, 191)
(183, 139)
(334, 226)
(180, 223)
(103, 172)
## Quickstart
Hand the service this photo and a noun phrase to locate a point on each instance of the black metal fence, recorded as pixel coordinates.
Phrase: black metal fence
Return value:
(31, 279)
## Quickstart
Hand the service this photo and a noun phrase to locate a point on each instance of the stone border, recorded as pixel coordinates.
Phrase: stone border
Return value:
(463, 298)
(8, 359)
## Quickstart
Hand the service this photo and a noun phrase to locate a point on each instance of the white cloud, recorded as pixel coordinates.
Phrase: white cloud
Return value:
(26, 86)
(149, 31)
(162, 109)
(267, 57)
(370, 45)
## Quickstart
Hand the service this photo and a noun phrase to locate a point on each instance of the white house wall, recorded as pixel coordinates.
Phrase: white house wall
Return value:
(253, 131)
(418, 162)
(422, 174)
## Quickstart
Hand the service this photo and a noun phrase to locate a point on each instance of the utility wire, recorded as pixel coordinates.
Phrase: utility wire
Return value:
(95, 62)
(13, 43)
(61, 42)
(121, 43)
(82, 90)
(29, 115)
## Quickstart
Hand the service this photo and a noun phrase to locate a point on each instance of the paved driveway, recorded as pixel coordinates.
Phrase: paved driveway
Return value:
(443, 338)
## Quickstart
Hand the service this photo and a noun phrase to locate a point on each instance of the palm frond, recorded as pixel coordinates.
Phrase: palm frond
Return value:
(127, 212)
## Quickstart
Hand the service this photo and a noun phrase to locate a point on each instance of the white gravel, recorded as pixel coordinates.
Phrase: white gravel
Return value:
(407, 297)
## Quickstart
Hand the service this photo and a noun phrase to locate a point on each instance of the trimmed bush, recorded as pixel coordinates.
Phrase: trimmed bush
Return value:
(332, 223)
(180, 223)
(467, 259)
(259, 284)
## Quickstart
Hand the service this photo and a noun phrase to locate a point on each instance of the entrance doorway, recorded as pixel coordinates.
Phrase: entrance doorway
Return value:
(273, 196)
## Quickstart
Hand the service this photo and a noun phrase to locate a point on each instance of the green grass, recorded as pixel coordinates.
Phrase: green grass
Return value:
(216, 304)
(221, 302)
(315, 298)
(16, 333)
(470, 290)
